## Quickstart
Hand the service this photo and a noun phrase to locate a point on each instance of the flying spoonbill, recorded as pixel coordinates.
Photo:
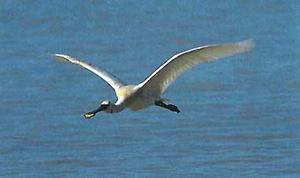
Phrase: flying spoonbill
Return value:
(149, 91)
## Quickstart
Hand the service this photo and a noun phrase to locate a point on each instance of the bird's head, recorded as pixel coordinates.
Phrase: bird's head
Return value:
(105, 106)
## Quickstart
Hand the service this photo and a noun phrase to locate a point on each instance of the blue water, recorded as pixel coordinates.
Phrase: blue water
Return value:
(240, 116)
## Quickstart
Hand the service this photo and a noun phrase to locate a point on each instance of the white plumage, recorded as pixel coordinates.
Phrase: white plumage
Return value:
(150, 90)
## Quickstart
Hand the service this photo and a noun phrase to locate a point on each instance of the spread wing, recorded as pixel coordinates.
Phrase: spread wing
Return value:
(113, 81)
(160, 79)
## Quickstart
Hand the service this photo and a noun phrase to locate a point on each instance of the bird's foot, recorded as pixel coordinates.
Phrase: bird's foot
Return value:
(170, 107)
(173, 108)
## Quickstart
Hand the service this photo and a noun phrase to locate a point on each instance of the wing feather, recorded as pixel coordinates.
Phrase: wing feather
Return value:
(160, 79)
(112, 80)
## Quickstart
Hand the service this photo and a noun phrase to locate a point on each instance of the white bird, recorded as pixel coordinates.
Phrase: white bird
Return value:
(149, 91)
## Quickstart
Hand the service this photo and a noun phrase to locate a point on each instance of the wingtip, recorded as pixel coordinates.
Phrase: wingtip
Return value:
(55, 54)
(247, 45)
(60, 57)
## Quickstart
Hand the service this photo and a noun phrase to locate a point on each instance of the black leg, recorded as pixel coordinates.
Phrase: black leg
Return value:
(170, 107)
(173, 108)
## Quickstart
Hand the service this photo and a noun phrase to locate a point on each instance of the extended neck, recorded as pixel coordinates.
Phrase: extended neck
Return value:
(118, 106)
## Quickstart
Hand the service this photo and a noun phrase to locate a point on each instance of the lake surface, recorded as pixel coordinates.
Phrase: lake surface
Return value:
(240, 116)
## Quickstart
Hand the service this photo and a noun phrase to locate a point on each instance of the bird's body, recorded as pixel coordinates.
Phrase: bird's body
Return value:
(148, 92)
(133, 97)
(135, 101)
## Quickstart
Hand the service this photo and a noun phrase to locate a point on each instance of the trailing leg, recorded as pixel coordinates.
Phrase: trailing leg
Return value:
(170, 107)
